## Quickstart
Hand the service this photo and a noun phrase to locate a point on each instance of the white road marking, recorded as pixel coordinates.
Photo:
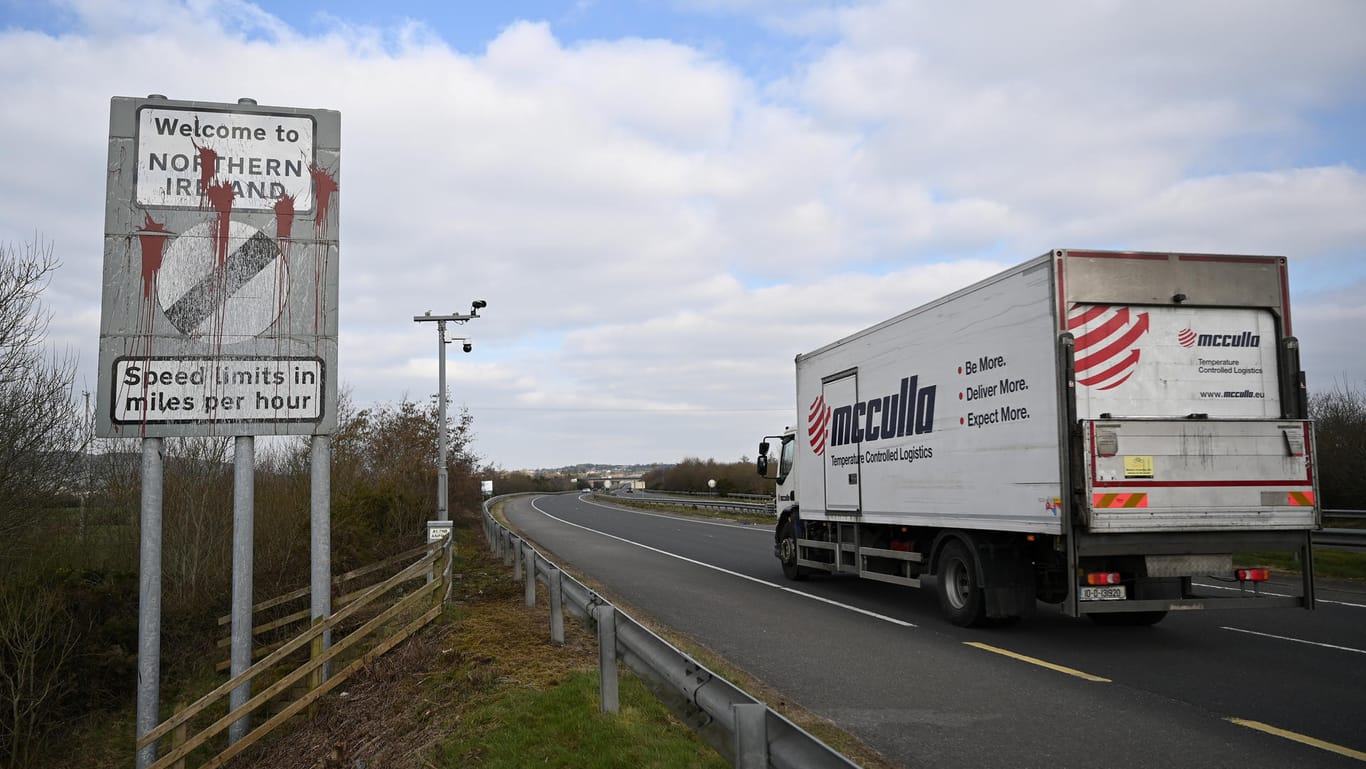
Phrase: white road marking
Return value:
(756, 580)
(623, 509)
(1283, 595)
(1295, 640)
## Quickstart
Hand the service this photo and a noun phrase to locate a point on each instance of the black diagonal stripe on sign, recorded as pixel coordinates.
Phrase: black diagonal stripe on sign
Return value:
(209, 294)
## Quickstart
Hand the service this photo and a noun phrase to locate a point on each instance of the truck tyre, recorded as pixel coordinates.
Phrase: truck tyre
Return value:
(960, 592)
(1128, 618)
(787, 552)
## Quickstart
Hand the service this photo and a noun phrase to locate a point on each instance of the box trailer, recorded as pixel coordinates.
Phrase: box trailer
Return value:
(1098, 430)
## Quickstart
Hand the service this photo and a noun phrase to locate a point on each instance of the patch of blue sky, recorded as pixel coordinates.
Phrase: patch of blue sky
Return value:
(1339, 137)
(1333, 136)
(1325, 272)
(468, 26)
(48, 18)
(755, 282)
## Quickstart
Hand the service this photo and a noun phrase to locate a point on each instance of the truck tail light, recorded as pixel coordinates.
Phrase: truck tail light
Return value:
(1252, 575)
(1102, 578)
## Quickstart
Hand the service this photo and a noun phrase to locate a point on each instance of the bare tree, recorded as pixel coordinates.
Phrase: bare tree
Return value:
(41, 429)
(37, 643)
(1340, 429)
(197, 520)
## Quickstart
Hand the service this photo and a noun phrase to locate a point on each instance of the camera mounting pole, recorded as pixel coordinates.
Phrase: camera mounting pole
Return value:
(442, 496)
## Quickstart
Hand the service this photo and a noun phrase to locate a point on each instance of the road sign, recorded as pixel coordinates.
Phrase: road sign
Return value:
(438, 530)
(240, 296)
(181, 150)
(219, 312)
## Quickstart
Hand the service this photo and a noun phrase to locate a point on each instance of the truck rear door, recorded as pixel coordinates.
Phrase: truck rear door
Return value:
(1181, 421)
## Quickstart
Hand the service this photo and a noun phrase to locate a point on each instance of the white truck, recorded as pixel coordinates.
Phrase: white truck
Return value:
(1099, 430)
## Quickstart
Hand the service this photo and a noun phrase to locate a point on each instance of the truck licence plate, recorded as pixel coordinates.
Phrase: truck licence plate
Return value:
(1106, 593)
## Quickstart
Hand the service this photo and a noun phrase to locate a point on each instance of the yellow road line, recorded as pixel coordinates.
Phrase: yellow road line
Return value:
(1300, 738)
(1039, 662)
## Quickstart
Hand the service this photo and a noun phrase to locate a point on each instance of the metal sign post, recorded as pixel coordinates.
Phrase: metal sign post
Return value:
(320, 582)
(218, 313)
(149, 599)
(243, 527)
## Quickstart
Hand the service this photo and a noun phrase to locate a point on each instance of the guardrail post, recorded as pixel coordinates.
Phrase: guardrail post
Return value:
(529, 559)
(516, 560)
(751, 735)
(556, 588)
(608, 696)
(507, 548)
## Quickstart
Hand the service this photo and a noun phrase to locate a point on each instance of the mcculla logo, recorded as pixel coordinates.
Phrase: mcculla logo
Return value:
(1188, 338)
(910, 411)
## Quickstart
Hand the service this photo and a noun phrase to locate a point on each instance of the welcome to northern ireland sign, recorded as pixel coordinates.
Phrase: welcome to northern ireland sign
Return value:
(219, 311)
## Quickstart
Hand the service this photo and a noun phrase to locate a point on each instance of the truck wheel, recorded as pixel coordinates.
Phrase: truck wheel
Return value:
(1128, 618)
(960, 595)
(787, 552)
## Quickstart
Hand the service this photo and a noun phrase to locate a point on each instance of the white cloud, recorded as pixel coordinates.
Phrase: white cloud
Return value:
(658, 232)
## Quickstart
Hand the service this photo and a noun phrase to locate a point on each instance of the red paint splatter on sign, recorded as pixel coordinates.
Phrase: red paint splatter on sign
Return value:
(208, 166)
(220, 199)
(284, 216)
(324, 185)
(152, 239)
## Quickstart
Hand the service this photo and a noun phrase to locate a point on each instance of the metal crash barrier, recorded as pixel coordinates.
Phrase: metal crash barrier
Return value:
(748, 733)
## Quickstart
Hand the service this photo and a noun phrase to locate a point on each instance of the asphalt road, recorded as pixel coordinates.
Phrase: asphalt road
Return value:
(1234, 688)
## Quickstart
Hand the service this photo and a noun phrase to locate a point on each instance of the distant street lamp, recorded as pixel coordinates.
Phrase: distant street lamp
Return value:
(442, 511)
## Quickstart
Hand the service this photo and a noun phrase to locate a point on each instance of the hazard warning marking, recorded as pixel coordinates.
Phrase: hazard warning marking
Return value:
(241, 297)
(1119, 500)
(1288, 498)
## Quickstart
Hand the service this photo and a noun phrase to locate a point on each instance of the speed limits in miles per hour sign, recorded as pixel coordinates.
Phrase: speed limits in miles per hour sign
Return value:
(219, 311)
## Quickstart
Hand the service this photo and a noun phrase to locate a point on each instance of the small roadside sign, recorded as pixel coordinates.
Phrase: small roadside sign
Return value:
(438, 531)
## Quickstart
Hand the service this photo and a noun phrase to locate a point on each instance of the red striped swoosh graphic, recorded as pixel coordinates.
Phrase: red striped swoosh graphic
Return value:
(818, 425)
(1107, 344)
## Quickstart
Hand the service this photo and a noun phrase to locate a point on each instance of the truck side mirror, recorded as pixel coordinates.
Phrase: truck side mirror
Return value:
(762, 464)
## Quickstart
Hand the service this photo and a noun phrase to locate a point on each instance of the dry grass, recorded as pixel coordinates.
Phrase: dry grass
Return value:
(403, 709)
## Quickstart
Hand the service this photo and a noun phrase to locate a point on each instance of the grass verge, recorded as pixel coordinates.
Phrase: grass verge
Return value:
(561, 727)
(1328, 563)
(485, 687)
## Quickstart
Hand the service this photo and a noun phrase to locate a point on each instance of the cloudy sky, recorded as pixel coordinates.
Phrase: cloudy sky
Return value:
(664, 202)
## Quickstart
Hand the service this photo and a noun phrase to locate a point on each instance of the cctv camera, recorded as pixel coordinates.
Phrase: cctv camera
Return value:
(469, 347)
(479, 304)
